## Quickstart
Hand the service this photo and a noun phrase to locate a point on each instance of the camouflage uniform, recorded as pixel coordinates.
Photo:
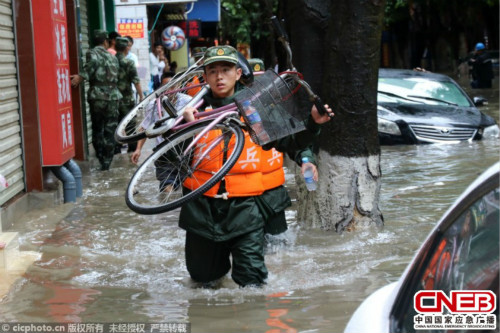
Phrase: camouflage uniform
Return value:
(126, 76)
(101, 70)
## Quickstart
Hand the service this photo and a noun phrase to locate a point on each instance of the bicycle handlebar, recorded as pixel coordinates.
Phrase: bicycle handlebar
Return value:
(283, 38)
(320, 105)
(278, 28)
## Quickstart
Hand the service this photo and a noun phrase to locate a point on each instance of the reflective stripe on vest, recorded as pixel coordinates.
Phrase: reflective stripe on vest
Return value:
(255, 171)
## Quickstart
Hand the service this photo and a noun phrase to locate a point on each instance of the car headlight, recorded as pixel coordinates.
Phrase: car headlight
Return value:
(491, 132)
(388, 127)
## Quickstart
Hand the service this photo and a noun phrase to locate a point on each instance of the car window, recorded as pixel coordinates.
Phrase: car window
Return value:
(437, 90)
(466, 256)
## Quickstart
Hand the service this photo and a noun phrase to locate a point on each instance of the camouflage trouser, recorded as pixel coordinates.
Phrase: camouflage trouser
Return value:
(104, 116)
(123, 109)
(125, 106)
(208, 261)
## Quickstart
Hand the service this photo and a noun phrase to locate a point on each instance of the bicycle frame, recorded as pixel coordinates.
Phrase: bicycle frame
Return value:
(176, 124)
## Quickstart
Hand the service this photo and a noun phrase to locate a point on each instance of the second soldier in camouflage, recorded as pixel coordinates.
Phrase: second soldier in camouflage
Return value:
(127, 75)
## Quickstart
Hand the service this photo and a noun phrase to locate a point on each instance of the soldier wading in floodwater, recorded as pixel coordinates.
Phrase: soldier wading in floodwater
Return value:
(101, 70)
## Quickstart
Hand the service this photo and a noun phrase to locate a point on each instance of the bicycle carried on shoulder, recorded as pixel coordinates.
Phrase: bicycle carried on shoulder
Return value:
(178, 169)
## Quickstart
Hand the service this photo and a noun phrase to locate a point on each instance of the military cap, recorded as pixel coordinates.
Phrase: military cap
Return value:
(256, 64)
(198, 52)
(101, 34)
(199, 49)
(121, 42)
(220, 53)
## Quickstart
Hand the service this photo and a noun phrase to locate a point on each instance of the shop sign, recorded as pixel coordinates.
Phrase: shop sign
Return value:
(131, 27)
(192, 28)
(53, 81)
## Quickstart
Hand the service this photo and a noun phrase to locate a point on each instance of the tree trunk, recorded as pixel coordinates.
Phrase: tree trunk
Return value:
(266, 50)
(336, 45)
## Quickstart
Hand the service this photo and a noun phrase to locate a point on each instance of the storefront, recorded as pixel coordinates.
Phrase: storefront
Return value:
(146, 21)
(42, 119)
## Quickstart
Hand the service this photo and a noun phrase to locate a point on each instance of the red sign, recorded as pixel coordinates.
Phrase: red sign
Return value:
(131, 27)
(192, 28)
(469, 301)
(53, 81)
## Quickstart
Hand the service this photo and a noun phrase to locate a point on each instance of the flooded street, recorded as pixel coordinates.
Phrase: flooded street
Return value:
(104, 263)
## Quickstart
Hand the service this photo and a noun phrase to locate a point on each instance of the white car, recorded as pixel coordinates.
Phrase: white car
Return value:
(461, 253)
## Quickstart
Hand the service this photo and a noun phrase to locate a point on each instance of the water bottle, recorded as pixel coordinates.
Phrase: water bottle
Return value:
(311, 184)
(256, 122)
(124, 148)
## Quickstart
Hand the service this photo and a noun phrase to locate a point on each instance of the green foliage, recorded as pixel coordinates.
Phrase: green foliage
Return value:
(242, 21)
(398, 10)
(395, 11)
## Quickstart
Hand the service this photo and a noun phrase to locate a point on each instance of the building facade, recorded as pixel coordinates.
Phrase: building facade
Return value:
(44, 122)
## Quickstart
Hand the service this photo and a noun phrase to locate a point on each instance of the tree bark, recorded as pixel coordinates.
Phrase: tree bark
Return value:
(336, 45)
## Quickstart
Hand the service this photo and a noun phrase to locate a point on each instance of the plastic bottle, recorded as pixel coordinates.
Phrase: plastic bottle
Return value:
(124, 149)
(256, 122)
(311, 184)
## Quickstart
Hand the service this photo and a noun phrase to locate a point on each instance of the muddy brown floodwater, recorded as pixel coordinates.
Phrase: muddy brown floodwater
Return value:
(104, 263)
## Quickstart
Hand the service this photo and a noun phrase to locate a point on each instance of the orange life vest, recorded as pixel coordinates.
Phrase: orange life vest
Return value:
(255, 171)
(193, 91)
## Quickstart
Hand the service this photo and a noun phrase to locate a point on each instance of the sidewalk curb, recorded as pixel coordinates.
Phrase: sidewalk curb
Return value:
(14, 260)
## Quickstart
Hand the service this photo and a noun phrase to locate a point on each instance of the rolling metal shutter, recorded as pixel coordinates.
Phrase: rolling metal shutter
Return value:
(11, 162)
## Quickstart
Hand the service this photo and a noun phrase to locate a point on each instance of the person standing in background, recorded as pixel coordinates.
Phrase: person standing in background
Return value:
(482, 68)
(156, 64)
(113, 35)
(163, 65)
(131, 55)
(173, 68)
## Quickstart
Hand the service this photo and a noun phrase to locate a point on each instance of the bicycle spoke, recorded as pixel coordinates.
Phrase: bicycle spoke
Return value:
(158, 183)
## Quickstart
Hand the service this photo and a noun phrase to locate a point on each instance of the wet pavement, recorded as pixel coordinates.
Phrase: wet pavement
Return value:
(104, 263)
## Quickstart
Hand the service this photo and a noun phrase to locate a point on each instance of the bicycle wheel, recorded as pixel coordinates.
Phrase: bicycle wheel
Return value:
(157, 185)
(130, 128)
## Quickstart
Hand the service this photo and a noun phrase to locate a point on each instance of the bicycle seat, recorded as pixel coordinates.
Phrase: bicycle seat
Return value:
(246, 70)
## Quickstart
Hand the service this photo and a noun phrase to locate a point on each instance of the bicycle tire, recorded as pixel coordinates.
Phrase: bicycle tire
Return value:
(129, 129)
(156, 170)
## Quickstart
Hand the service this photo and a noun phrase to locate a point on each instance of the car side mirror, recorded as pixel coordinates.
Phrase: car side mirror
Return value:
(480, 101)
